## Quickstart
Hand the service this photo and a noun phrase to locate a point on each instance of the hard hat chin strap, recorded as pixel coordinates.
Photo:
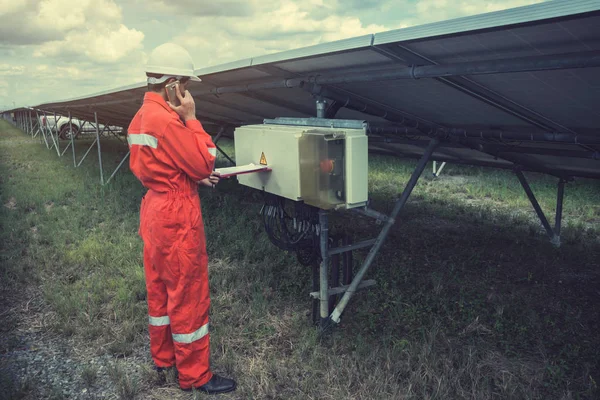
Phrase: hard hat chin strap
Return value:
(154, 81)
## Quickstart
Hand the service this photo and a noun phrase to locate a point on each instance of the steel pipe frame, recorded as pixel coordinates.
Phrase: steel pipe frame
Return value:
(525, 64)
(517, 159)
(438, 171)
(324, 269)
(216, 140)
(55, 143)
(99, 149)
(33, 126)
(492, 148)
(339, 308)
(474, 89)
(509, 165)
(118, 168)
(96, 140)
(553, 233)
(37, 115)
(72, 140)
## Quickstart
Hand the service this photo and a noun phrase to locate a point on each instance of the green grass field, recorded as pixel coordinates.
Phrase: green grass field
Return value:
(472, 300)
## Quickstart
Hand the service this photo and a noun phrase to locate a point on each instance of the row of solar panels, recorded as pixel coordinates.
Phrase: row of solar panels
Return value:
(518, 87)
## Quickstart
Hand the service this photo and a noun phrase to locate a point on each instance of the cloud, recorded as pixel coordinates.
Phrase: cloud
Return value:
(78, 48)
(10, 70)
(236, 8)
(91, 28)
(105, 44)
(438, 10)
(291, 25)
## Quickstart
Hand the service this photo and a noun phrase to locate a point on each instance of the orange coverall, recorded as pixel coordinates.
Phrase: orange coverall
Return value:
(169, 157)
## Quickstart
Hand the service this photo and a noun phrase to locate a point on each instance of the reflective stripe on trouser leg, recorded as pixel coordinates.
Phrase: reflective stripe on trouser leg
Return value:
(178, 252)
(159, 328)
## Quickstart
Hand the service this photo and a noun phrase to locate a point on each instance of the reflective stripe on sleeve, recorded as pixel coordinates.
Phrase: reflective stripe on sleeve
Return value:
(159, 321)
(142, 139)
(191, 337)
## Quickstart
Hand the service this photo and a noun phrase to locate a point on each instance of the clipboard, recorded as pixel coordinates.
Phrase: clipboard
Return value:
(242, 169)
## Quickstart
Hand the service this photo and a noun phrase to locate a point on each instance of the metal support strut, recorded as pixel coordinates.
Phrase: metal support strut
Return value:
(72, 143)
(339, 309)
(437, 171)
(553, 234)
(99, 148)
(324, 270)
(118, 167)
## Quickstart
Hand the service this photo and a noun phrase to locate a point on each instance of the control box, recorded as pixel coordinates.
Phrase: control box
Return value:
(324, 166)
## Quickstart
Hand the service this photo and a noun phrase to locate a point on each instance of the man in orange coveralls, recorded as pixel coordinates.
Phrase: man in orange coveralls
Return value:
(171, 155)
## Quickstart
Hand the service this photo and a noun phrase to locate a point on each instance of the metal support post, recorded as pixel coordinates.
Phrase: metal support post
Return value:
(55, 141)
(324, 270)
(72, 143)
(339, 309)
(29, 123)
(47, 128)
(99, 149)
(554, 239)
(87, 152)
(118, 167)
(37, 115)
(57, 135)
(34, 126)
(219, 135)
(65, 150)
(559, 208)
(96, 140)
(436, 171)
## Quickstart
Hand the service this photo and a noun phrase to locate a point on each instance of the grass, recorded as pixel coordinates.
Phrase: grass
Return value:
(472, 301)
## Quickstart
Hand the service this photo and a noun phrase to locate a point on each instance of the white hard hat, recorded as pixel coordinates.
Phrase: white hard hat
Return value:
(170, 60)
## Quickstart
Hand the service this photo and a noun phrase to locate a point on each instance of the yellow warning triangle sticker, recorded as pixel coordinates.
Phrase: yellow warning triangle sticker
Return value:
(263, 159)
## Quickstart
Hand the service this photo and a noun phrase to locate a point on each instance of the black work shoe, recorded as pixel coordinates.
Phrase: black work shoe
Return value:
(216, 385)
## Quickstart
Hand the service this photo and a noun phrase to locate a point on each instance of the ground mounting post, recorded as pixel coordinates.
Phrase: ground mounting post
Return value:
(72, 140)
(54, 142)
(553, 234)
(559, 207)
(216, 139)
(57, 135)
(324, 270)
(37, 115)
(339, 309)
(35, 127)
(99, 149)
(438, 171)
(89, 148)
(31, 126)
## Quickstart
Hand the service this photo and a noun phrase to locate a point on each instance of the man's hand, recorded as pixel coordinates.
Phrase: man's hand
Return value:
(187, 109)
(212, 180)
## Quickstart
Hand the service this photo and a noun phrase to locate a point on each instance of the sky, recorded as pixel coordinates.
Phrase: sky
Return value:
(59, 49)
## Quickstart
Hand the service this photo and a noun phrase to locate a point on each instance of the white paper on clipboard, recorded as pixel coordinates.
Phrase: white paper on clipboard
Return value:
(241, 169)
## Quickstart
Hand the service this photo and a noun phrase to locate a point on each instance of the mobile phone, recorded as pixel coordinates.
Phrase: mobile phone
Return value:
(172, 93)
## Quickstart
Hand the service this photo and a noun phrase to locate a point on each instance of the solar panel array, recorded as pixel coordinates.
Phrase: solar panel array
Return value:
(542, 119)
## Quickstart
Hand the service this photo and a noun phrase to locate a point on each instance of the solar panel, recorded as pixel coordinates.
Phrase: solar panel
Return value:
(506, 116)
